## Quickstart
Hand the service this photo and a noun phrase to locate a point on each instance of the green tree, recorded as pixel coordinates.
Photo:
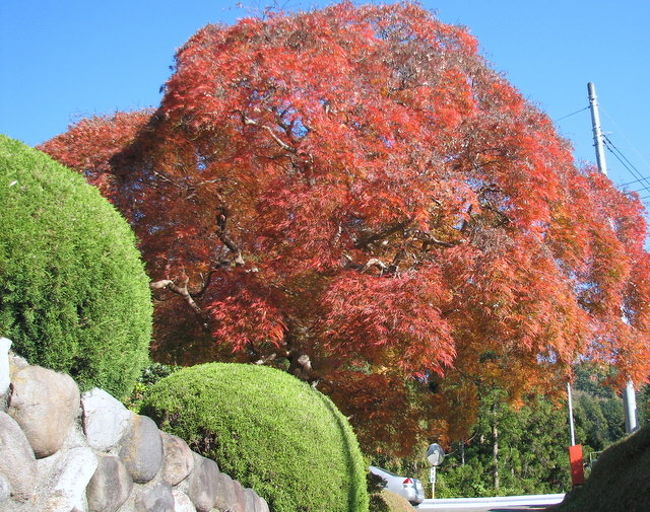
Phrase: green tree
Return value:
(510, 451)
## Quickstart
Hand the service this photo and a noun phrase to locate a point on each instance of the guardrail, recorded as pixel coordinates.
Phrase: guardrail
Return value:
(498, 501)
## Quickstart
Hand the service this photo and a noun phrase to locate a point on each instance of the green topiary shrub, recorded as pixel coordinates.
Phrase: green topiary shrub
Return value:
(386, 501)
(268, 430)
(73, 292)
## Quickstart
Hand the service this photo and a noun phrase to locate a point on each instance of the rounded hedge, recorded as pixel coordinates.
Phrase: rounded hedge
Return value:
(268, 430)
(74, 296)
(387, 501)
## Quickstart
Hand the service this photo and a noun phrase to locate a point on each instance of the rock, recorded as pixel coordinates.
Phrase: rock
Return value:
(142, 450)
(182, 502)
(254, 503)
(16, 363)
(250, 498)
(45, 404)
(264, 506)
(5, 489)
(5, 345)
(158, 498)
(202, 488)
(239, 503)
(109, 486)
(68, 480)
(225, 492)
(178, 459)
(17, 463)
(105, 419)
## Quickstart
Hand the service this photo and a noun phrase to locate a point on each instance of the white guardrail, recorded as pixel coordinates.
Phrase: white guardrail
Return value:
(499, 501)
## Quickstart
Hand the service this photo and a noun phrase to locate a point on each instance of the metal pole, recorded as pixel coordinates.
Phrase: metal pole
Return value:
(598, 133)
(629, 395)
(571, 426)
(432, 477)
(629, 400)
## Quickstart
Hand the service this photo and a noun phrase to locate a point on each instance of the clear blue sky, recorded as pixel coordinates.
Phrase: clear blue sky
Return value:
(65, 59)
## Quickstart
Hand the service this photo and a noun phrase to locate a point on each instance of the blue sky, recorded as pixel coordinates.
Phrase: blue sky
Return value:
(61, 60)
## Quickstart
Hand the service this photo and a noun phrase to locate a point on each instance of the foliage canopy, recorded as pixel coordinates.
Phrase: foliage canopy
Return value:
(265, 427)
(354, 195)
(73, 293)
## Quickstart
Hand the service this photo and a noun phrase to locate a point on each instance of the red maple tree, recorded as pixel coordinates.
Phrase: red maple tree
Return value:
(353, 195)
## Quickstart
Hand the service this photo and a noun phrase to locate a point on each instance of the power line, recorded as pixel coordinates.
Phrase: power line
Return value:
(625, 162)
(633, 182)
(571, 114)
(629, 142)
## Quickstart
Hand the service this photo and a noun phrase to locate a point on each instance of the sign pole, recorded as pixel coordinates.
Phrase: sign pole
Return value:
(432, 479)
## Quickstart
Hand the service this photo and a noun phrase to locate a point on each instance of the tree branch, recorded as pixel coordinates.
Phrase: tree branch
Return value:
(222, 220)
(183, 292)
(374, 237)
(251, 122)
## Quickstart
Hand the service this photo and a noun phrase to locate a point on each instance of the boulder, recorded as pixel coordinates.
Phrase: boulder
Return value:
(239, 503)
(105, 419)
(251, 498)
(45, 404)
(68, 480)
(5, 490)
(225, 492)
(202, 488)
(5, 345)
(264, 506)
(182, 502)
(157, 498)
(178, 459)
(109, 486)
(17, 463)
(142, 450)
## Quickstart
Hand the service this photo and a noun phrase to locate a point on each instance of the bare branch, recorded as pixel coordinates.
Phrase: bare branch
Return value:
(222, 220)
(374, 237)
(427, 238)
(372, 262)
(183, 292)
(251, 122)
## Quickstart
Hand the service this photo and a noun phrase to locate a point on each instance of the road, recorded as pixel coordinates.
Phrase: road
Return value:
(498, 504)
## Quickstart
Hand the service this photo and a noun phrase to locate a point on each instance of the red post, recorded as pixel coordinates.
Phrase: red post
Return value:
(577, 467)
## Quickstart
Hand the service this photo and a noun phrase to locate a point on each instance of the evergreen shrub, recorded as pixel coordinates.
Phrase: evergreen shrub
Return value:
(619, 480)
(387, 501)
(74, 296)
(268, 430)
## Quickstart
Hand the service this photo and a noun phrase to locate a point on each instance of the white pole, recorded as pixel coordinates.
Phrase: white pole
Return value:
(432, 477)
(629, 400)
(598, 133)
(629, 395)
(571, 426)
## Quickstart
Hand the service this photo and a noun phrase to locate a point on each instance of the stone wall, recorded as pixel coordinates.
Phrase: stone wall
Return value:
(66, 451)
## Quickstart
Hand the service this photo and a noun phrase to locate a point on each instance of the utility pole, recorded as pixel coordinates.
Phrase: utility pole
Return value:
(629, 395)
(572, 430)
(598, 133)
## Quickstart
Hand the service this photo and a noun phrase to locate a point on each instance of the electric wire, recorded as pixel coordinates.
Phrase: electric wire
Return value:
(625, 162)
(571, 114)
(627, 140)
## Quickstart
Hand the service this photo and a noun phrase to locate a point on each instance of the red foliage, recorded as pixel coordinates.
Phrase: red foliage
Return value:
(354, 194)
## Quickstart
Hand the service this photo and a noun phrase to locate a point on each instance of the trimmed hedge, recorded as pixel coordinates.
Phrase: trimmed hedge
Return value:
(387, 501)
(268, 430)
(74, 296)
(619, 480)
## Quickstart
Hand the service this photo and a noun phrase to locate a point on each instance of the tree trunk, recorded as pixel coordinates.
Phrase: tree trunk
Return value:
(495, 448)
